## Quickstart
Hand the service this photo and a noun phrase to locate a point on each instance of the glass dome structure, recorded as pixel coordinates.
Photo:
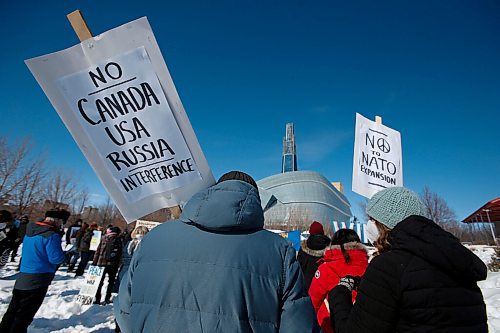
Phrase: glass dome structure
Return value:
(293, 200)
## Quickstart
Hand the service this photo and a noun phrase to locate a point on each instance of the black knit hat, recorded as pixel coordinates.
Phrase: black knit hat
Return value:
(58, 214)
(238, 175)
(5, 216)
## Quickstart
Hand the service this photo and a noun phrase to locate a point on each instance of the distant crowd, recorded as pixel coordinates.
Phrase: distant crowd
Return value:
(216, 269)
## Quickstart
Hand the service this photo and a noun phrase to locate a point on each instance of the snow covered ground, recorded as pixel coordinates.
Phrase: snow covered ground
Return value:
(61, 313)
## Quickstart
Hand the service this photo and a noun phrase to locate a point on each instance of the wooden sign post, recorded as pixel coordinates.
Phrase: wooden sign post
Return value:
(176, 211)
(79, 25)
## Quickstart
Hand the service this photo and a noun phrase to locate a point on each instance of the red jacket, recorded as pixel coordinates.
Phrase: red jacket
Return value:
(332, 268)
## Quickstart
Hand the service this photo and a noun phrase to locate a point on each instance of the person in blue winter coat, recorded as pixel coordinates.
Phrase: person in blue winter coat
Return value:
(216, 270)
(42, 253)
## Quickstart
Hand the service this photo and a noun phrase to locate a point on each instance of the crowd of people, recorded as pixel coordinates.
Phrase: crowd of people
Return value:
(43, 255)
(216, 269)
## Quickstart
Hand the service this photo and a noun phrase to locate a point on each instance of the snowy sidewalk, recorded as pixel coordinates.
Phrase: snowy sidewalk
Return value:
(60, 312)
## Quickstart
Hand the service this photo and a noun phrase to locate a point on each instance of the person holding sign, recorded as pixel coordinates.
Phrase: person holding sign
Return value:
(108, 255)
(85, 252)
(216, 270)
(422, 280)
(42, 253)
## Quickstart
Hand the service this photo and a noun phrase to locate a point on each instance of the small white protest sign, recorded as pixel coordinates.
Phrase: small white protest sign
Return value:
(74, 231)
(378, 161)
(95, 240)
(115, 95)
(90, 284)
(148, 224)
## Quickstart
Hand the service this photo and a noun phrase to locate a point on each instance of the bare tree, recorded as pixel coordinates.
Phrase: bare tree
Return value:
(437, 209)
(29, 189)
(61, 187)
(109, 213)
(80, 200)
(15, 166)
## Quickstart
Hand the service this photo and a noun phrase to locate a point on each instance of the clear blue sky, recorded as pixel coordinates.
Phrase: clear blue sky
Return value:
(244, 69)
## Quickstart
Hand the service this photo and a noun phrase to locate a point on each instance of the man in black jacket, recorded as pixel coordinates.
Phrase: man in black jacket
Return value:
(8, 236)
(71, 232)
(423, 280)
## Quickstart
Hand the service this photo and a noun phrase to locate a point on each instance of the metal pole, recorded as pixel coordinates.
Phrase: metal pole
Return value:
(473, 230)
(484, 232)
(480, 230)
(491, 226)
(471, 233)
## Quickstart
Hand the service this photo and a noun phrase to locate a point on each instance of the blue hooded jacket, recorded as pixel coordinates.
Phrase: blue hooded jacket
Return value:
(42, 253)
(215, 270)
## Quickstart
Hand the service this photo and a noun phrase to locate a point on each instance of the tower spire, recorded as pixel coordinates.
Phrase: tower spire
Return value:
(289, 159)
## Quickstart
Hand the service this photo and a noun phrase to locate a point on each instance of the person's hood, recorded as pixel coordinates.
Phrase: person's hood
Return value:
(356, 251)
(231, 205)
(318, 242)
(35, 229)
(111, 235)
(315, 245)
(425, 239)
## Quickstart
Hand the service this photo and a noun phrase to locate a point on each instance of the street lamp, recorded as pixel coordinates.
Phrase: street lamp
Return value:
(491, 226)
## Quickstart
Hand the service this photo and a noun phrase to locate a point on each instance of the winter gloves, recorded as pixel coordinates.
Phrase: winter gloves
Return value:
(350, 282)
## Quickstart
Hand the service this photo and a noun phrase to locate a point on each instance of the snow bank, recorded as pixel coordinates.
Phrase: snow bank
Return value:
(491, 293)
(484, 252)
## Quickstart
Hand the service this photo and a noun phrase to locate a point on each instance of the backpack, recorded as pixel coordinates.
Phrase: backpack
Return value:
(113, 249)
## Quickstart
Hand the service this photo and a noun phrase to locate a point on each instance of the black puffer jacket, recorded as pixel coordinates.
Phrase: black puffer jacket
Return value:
(310, 252)
(426, 283)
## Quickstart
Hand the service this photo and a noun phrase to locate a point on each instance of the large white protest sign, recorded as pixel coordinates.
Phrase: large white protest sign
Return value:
(90, 284)
(378, 162)
(123, 110)
(116, 97)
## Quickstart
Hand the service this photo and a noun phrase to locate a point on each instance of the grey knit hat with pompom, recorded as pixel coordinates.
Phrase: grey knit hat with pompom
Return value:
(394, 204)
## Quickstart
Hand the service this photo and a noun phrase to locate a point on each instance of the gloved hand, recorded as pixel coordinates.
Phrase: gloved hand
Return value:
(350, 282)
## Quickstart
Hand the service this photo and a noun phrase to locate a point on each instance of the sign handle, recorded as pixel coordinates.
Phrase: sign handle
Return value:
(378, 119)
(176, 211)
(79, 25)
